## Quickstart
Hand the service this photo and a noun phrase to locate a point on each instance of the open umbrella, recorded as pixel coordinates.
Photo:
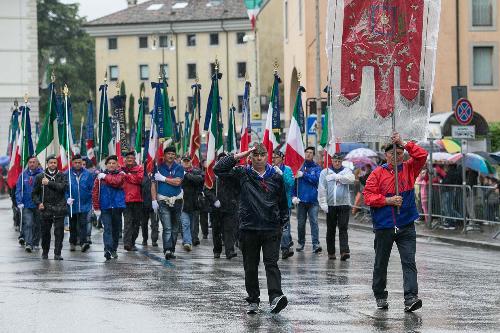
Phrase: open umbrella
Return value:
(427, 146)
(362, 161)
(361, 152)
(487, 157)
(474, 162)
(440, 156)
(451, 146)
(496, 156)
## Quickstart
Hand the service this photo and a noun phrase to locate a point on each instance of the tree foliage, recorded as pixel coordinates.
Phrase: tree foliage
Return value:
(63, 46)
(495, 136)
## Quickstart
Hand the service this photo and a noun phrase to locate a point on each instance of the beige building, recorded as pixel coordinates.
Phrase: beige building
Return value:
(19, 59)
(475, 65)
(187, 37)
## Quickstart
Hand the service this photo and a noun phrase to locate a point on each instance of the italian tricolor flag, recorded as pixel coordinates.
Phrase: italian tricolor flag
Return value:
(294, 153)
(214, 141)
(270, 139)
(253, 9)
(23, 149)
(48, 142)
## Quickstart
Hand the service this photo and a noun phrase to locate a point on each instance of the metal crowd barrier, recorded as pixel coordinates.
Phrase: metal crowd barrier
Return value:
(447, 207)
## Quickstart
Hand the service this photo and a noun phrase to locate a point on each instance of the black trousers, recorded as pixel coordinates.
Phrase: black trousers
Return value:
(204, 223)
(337, 216)
(132, 217)
(147, 215)
(47, 223)
(223, 226)
(405, 239)
(78, 228)
(251, 243)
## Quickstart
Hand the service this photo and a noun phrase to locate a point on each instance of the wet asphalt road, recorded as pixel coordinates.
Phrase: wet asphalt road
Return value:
(142, 292)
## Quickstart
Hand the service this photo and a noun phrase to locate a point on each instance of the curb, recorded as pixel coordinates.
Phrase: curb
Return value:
(424, 235)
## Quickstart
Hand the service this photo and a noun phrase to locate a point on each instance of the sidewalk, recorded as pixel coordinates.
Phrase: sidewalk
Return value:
(475, 239)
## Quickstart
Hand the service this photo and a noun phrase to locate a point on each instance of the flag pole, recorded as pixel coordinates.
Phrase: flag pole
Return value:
(101, 120)
(66, 113)
(394, 155)
(53, 80)
(22, 155)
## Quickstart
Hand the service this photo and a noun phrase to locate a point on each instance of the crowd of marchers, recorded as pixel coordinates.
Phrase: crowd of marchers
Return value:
(248, 207)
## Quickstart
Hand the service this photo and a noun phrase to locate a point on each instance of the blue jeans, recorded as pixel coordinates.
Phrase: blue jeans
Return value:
(111, 220)
(31, 226)
(406, 241)
(170, 218)
(186, 219)
(286, 237)
(303, 211)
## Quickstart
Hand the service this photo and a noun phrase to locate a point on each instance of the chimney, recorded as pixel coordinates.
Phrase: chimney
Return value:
(131, 3)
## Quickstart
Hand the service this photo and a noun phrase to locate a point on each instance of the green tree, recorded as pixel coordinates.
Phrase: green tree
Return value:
(131, 117)
(63, 46)
(495, 136)
(122, 89)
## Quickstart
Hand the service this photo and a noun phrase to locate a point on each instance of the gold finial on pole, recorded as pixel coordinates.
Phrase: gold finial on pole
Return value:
(117, 86)
(26, 98)
(246, 76)
(299, 76)
(105, 77)
(142, 93)
(90, 94)
(216, 64)
(53, 76)
(66, 90)
(16, 103)
(196, 79)
(276, 65)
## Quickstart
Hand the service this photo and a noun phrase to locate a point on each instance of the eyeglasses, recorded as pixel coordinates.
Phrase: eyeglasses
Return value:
(259, 154)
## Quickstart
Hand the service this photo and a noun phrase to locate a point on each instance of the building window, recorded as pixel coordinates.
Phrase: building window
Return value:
(240, 38)
(113, 73)
(286, 20)
(214, 39)
(112, 43)
(191, 40)
(482, 13)
(164, 41)
(143, 42)
(483, 65)
(242, 69)
(144, 72)
(191, 68)
(164, 70)
(212, 69)
(300, 15)
(240, 103)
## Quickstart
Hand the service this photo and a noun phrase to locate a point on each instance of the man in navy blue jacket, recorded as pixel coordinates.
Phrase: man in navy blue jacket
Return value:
(30, 232)
(305, 196)
(80, 201)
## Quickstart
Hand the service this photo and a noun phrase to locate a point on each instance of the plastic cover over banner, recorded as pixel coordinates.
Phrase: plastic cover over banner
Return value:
(381, 57)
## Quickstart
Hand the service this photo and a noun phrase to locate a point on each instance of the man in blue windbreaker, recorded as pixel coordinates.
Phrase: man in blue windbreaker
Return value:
(30, 231)
(80, 203)
(305, 196)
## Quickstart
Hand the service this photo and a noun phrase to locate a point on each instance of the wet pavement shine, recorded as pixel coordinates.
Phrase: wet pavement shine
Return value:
(142, 292)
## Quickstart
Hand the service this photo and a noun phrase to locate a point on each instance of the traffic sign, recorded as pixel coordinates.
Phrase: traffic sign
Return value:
(464, 111)
(463, 132)
(311, 124)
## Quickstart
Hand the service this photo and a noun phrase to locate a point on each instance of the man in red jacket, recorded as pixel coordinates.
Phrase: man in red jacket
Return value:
(393, 216)
(133, 177)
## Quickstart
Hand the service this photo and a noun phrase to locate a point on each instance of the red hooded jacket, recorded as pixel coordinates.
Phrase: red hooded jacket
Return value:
(132, 184)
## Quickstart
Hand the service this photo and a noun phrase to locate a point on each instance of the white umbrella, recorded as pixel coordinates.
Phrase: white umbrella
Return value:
(440, 156)
(361, 152)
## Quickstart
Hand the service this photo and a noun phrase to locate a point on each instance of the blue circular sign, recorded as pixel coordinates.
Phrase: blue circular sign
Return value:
(463, 111)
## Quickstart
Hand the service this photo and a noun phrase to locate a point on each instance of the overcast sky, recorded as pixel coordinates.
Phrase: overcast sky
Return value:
(93, 9)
